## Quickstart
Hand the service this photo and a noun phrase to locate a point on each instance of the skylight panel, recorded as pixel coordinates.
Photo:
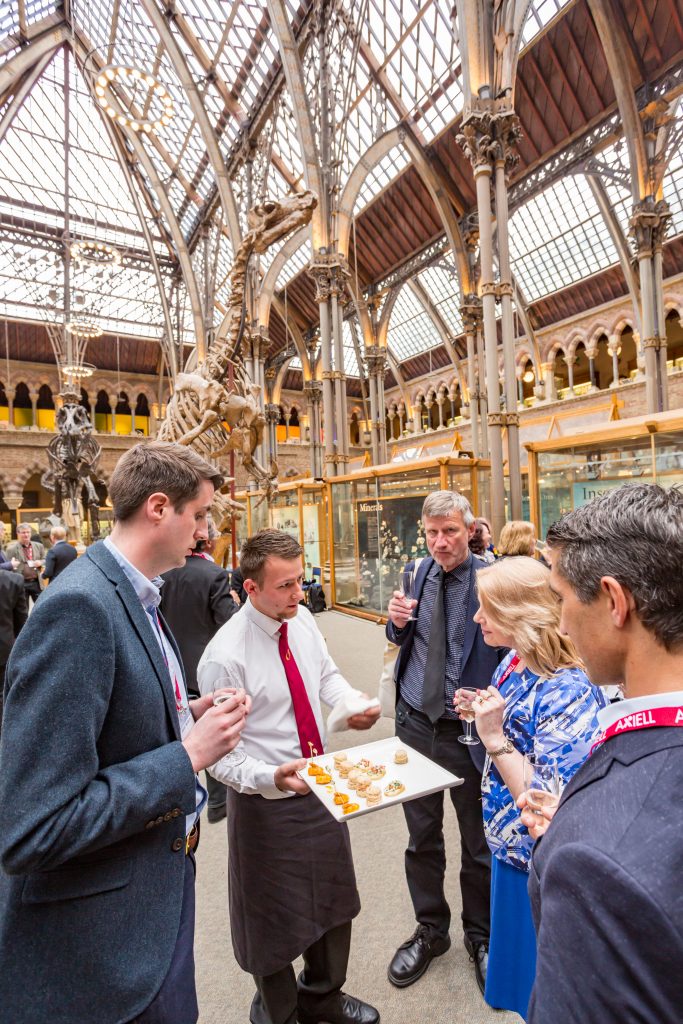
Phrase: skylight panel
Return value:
(444, 296)
(673, 193)
(294, 265)
(382, 174)
(558, 238)
(411, 331)
(540, 13)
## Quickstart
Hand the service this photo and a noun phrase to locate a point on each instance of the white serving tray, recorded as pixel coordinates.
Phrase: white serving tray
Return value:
(420, 776)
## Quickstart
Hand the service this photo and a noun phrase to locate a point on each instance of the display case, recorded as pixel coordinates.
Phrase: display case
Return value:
(300, 509)
(567, 472)
(376, 524)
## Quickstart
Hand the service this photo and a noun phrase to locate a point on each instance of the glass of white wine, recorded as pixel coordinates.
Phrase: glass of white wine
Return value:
(408, 588)
(466, 712)
(541, 783)
(238, 755)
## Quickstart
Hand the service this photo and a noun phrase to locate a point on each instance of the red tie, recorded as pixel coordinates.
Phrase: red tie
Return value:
(306, 725)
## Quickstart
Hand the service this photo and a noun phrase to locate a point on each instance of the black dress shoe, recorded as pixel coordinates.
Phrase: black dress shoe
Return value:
(214, 814)
(413, 958)
(479, 955)
(347, 1010)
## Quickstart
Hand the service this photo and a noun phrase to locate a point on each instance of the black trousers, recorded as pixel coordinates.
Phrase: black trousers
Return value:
(280, 995)
(176, 1000)
(425, 858)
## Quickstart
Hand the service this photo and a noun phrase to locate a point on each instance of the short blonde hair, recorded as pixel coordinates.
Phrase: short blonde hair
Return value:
(515, 596)
(516, 538)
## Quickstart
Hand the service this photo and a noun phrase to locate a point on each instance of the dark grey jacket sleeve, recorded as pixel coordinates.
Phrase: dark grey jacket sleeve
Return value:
(56, 798)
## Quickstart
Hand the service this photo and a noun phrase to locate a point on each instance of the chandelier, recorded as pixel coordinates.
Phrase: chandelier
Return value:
(146, 93)
(94, 253)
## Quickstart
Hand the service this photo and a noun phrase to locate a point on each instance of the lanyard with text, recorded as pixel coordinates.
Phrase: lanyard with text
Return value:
(180, 707)
(651, 718)
(509, 670)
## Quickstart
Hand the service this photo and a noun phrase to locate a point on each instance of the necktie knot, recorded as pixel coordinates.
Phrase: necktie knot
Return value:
(283, 631)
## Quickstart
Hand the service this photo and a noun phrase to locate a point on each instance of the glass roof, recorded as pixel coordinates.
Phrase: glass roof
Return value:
(559, 237)
(411, 329)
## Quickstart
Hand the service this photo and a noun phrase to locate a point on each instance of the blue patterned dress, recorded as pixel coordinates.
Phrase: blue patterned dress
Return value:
(555, 717)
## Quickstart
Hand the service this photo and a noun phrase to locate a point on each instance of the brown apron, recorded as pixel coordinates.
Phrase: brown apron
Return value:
(291, 878)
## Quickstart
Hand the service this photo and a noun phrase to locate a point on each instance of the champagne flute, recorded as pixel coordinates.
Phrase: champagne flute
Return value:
(466, 712)
(541, 783)
(238, 755)
(408, 588)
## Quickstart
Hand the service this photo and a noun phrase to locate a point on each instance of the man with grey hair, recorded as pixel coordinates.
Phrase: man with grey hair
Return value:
(442, 649)
(60, 554)
(605, 883)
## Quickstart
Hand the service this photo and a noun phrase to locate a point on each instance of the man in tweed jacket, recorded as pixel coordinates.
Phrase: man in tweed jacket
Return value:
(98, 761)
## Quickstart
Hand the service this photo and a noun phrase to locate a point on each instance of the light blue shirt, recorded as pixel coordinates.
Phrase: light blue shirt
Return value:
(149, 593)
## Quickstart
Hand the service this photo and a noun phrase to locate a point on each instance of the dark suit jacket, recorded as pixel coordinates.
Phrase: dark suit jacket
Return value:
(13, 611)
(195, 601)
(94, 788)
(605, 888)
(57, 559)
(479, 661)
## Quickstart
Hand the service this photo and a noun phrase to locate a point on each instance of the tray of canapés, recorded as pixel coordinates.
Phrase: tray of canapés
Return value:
(374, 775)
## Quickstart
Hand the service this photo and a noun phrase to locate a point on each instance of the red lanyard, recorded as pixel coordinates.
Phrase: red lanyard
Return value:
(509, 670)
(180, 707)
(651, 718)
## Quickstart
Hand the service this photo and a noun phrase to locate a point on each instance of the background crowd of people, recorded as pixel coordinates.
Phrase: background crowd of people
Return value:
(571, 845)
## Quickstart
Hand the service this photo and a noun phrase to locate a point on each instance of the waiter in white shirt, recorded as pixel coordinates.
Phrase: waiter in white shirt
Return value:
(292, 883)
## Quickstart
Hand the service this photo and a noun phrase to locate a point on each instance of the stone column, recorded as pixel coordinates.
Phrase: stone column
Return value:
(477, 139)
(113, 401)
(613, 349)
(470, 312)
(591, 370)
(313, 392)
(320, 272)
(570, 360)
(548, 370)
(34, 407)
(376, 361)
(647, 227)
(508, 132)
(272, 413)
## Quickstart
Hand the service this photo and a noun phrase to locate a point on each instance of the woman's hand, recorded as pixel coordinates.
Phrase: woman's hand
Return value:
(488, 707)
(537, 824)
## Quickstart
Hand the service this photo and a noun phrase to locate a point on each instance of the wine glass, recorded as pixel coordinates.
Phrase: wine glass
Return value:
(466, 712)
(238, 755)
(408, 588)
(541, 783)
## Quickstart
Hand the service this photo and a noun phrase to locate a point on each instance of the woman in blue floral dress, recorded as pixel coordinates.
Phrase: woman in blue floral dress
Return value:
(540, 702)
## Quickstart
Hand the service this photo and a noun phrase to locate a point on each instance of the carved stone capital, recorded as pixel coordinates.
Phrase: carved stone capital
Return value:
(490, 288)
(330, 271)
(471, 313)
(376, 360)
(313, 390)
(489, 134)
(512, 419)
(648, 226)
(496, 419)
(270, 373)
(272, 413)
(653, 342)
(504, 288)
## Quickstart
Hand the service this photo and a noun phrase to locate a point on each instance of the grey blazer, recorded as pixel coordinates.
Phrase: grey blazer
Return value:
(94, 788)
(605, 889)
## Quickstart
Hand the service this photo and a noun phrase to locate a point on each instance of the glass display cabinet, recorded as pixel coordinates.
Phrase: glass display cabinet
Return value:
(300, 509)
(567, 472)
(376, 527)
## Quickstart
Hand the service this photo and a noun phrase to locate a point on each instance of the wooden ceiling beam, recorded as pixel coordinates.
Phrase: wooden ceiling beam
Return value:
(633, 54)
(650, 31)
(563, 75)
(546, 89)
(676, 18)
(538, 118)
(574, 46)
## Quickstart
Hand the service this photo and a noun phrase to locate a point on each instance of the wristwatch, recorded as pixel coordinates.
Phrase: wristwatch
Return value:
(507, 748)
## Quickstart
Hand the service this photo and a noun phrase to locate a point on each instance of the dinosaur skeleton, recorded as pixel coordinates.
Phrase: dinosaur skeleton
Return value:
(73, 456)
(216, 416)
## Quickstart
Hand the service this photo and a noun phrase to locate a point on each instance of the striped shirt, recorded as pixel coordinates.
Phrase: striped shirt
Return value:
(456, 594)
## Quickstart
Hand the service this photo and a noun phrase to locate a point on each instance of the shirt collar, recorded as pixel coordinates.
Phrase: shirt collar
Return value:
(148, 591)
(613, 712)
(264, 622)
(460, 572)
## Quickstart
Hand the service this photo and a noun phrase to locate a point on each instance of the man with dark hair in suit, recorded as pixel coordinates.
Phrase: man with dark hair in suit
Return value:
(13, 615)
(196, 601)
(605, 882)
(99, 754)
(442, 649)
(59, 555)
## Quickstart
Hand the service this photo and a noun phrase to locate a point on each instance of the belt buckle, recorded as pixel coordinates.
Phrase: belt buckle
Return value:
(189, 844)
